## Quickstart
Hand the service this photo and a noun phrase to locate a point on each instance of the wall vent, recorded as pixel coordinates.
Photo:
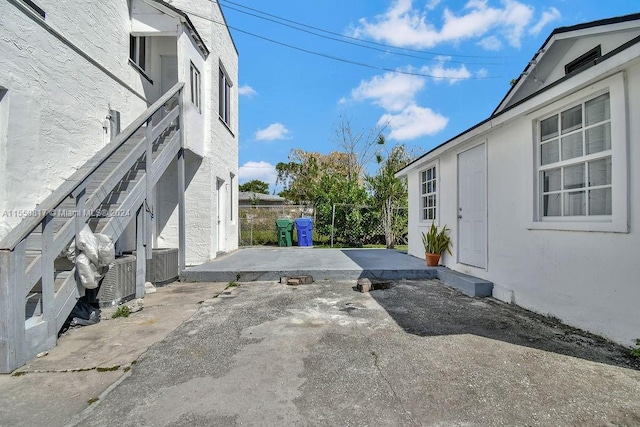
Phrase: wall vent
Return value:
(584, 61)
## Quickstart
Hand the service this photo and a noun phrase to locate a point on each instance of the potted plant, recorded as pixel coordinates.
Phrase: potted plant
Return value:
(435, 242)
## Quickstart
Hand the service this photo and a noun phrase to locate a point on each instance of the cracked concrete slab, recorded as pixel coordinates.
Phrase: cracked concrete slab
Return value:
(88, 361)
(418, 353)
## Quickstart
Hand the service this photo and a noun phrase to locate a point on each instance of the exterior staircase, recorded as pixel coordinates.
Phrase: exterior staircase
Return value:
(38, 285)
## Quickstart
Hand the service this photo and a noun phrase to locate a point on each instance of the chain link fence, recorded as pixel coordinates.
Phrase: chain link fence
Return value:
(341, 225)
(359, 225)
(258, 223)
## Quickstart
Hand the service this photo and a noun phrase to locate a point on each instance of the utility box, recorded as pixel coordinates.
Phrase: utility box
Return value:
(285, 231)
(304, 227)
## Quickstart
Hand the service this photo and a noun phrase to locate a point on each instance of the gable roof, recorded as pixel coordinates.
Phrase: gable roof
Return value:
(505, 106)
(556, 44)
(171, 10)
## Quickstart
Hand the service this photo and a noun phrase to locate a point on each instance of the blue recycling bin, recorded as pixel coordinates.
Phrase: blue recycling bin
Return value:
(304, 227)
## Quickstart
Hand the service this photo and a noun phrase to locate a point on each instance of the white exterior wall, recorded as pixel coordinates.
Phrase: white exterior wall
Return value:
(587, 279)
(56, 100)
(216, 146)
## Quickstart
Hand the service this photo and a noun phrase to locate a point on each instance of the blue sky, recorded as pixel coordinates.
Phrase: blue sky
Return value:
(457, 59)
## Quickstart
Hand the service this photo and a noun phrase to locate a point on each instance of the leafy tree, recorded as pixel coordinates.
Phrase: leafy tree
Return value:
(255, 186)
(299, 176)
(389, 193)
(337, 189)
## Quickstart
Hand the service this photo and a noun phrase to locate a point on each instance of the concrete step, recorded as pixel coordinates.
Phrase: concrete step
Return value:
(469, 285)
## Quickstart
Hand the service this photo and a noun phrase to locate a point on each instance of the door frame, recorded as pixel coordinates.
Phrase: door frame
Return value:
(220, 215)
(460, 151)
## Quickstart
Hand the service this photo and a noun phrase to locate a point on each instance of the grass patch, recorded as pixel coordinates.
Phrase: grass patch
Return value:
(122, 311)
(233, 284)
(636, 351)
(92, 400)
(18, 374)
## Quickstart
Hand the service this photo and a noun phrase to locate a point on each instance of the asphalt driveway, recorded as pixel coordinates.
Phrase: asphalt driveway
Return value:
(418, 353)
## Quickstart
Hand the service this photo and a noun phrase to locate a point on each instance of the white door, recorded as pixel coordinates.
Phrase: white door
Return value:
(221, 210)
(472, 207)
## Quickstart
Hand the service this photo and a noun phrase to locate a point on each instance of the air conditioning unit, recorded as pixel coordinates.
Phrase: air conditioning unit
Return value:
(119, 284)
(162, 268)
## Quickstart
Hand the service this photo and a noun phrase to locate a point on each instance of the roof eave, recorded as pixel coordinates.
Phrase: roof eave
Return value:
(499, 118)
(183, 17)
(555, 34)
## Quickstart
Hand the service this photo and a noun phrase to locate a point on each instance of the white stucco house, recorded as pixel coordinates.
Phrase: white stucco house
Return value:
(70, 67)
(124, 113)
(543, 197)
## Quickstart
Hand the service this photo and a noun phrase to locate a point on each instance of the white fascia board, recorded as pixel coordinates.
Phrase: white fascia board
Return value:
(610, 28)
(537, 57)
(608, 68)
(166, 10)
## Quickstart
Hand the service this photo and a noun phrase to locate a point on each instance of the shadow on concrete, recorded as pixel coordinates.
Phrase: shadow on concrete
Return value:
(428, 308)
(389, 264)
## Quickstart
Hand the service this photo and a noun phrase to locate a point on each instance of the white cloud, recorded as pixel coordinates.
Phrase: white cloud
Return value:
(482, 73)
(402, 25)
(247, 90)
(413, 122)
(490, 43)
(432, 4)
(396, 94)
(272, 132)
(263, 171)
(439, 72)
(548, 15)
(391, 91)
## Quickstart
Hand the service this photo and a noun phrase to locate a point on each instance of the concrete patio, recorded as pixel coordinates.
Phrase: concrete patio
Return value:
(272, 263)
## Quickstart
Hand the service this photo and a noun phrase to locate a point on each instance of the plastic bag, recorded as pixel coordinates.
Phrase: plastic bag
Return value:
(87, 243)
(87, 272)
(97, 251)
(106, 250)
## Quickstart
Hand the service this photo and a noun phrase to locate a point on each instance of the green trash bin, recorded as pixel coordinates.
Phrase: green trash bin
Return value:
(285, 231)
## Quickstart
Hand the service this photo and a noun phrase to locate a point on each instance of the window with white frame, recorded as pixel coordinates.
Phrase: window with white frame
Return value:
(574, 162)
(195, 86)
(428, 194)
(138, 51)
(224, 104)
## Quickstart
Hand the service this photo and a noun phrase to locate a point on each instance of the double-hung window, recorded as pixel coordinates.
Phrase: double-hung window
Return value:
(574, 167)
(428, 195)
(138, 51)
(581, 155)
(195, 86)
(224, 101)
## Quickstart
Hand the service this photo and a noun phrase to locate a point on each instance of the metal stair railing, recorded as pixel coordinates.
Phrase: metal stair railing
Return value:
(29, 252)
